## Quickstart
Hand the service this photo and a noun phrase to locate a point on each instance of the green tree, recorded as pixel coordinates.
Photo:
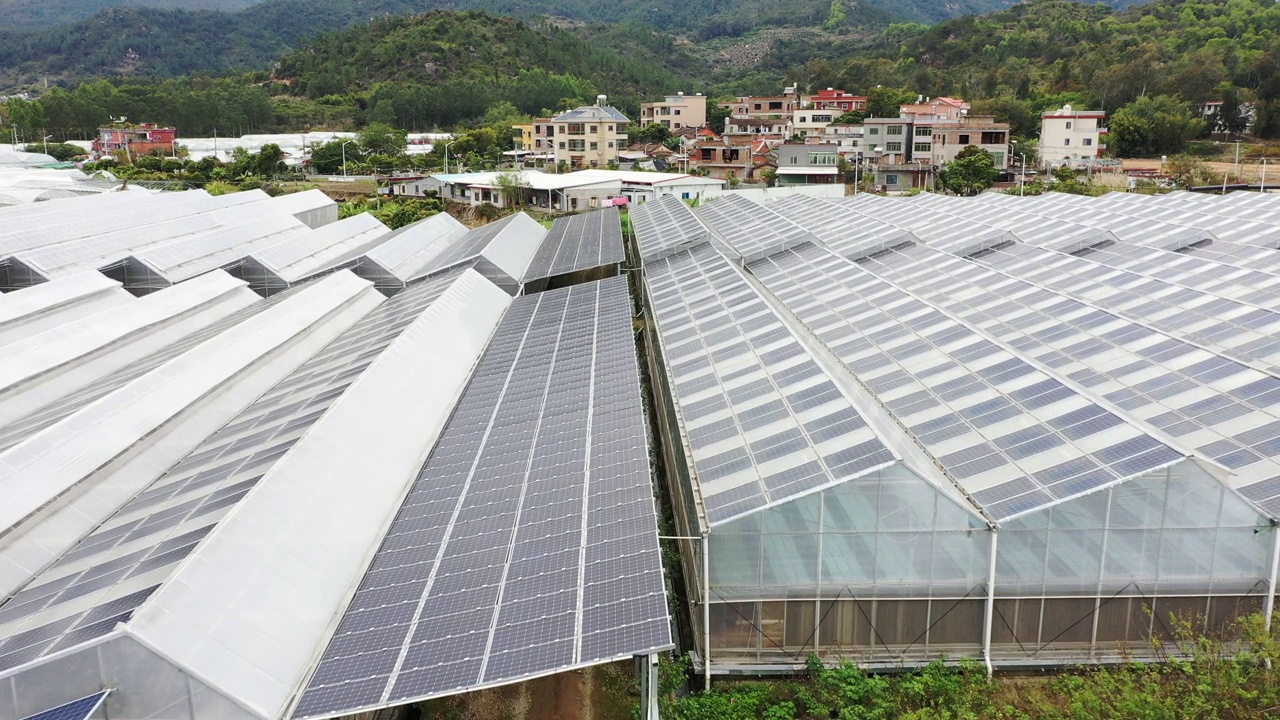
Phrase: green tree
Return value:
(653, 133)
(716, 117)
(269, 161)
(326, 159)
(853, 117)
(973, 171)
(511, 187)
(1148, 126)
(1232, 117)
(380, 139)
(59, 151)
(885, 101)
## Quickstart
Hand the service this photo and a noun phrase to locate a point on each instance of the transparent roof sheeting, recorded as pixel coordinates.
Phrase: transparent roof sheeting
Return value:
(664, 225)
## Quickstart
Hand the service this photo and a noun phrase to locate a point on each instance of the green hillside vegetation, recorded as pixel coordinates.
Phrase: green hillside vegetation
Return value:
(419, 73)
(46, 13)
(1043, 53)
(434, 69)
(148, 41)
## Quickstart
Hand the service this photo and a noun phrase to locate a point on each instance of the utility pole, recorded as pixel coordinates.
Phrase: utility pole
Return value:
(1237, 160)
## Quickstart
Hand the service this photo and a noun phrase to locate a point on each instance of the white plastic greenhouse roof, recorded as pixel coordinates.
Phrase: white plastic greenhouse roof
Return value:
(312, 253)
(404, 253)
(40, 307)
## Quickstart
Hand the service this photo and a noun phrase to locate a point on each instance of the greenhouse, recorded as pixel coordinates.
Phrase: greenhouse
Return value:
(895, 451)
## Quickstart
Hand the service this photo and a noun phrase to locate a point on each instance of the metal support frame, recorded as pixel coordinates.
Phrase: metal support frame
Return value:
(1268, 605)
(706, 612)
(989, 612)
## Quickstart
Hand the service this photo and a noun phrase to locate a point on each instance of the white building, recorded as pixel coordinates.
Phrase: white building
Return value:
(567, 191)
(1069, 136)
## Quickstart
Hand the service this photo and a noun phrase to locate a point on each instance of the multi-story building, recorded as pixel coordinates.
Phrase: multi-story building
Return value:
(675, 111)
(940, 108)
(811, 121)
(907, 149)
(764, 107)
(544, 136)
(523, 137)
(838, 101)
(847, 139)
(135, 139)
(807, 164)
(590, 136)
(780, 128)
(1069, 136)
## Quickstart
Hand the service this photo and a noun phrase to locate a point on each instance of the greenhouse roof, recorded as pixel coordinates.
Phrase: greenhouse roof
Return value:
(1031, 366)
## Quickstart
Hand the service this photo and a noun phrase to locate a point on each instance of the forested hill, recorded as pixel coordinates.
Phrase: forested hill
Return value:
(166, 43)
(1058, 50)
(435, 68)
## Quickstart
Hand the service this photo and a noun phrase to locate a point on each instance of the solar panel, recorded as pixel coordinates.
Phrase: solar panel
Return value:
(998, 425)
(664, 225)
(579, 242)
(528, 543)
(752, 230)
(75, 710)
(763, 421)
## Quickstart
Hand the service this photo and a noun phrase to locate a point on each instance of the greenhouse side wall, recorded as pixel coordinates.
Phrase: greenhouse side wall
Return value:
(900, 574)
(882, 569)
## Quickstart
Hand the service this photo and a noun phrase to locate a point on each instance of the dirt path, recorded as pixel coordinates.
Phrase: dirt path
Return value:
(599, 693)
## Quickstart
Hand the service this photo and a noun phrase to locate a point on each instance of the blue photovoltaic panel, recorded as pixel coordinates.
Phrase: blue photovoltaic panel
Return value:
(665, 225)
(579, 242)
(75, 710)
(528, 543)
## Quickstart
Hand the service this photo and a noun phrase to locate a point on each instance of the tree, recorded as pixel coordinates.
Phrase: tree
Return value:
(885, 101)
(973, 171)
(1232, 117)
(769, 176)
(716, 116)
(653, 133)
(853, 117)
(381, 139)
(61, 152)
(1148, 126)
(511, 187)
(327, 158)
(269, 161)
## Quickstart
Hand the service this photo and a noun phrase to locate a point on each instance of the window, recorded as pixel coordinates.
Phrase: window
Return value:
(1088, 142)
(893, 130)
(822, 118)
(1068, 124)
(998, 159)
(873, 131)
(803, 119)
(890, 179)
(610, 144)
(1066, 141)
(561, 144)
(922, 147)
(684, 196)
(893, 147)
(609, 128)
(757, 106)
(964, 139)
(595, 145)
(923, 131)
(677, 111)
(595, 128)
(774, 105)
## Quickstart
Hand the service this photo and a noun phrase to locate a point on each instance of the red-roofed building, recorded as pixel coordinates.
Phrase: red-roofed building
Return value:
(136, 140)
(832, 99)
(939, 108)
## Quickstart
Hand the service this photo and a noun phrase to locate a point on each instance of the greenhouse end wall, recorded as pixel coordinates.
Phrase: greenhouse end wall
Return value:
(887, 571)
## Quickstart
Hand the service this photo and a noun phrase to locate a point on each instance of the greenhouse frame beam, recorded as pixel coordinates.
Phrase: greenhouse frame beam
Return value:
(1268, 606)
(989, 611)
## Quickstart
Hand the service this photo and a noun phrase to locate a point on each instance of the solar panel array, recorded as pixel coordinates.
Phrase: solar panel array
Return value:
(1040, 367)
(123, 561)
(750, 229)
(81, 709)
(579, 242)
(664, 225)
(527, 544)
(763, 421)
